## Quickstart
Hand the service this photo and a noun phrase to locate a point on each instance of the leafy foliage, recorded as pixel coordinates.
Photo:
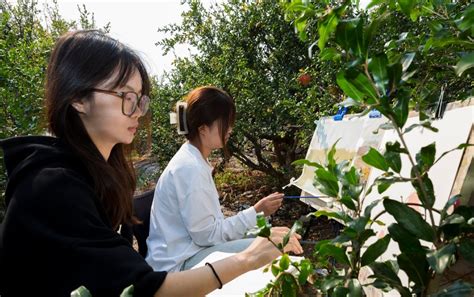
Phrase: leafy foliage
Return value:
(393, 79)
(248, 49)
(25, 45)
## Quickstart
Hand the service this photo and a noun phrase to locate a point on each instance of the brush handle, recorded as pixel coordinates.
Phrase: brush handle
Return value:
(296, 197)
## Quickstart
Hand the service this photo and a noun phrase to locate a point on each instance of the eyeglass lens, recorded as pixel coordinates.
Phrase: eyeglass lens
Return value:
(130, 103)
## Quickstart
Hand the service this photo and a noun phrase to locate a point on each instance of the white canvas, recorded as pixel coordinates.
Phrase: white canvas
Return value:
(354, 136)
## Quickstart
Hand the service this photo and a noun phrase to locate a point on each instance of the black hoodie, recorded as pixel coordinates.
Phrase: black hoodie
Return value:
(56, 236)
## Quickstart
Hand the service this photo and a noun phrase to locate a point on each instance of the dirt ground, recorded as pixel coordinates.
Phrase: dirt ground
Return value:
(235, 197)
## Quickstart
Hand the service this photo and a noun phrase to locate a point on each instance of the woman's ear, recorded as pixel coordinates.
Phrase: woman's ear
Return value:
(203, 129)
(79, 106)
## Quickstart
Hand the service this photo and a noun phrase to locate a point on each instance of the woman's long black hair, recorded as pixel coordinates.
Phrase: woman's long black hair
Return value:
(80, 61)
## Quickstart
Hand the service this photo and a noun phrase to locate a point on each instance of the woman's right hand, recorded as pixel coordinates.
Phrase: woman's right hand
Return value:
(262, 251)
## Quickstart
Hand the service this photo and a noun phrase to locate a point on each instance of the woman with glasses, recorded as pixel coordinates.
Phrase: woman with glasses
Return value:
(67, 195)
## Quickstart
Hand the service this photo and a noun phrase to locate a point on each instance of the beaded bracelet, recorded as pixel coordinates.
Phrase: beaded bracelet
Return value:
(215, 274)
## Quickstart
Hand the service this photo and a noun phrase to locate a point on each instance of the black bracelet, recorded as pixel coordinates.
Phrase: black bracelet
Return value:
(215, 274)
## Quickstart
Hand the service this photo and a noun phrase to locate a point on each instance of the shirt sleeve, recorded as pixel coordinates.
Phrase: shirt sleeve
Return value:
(74, 244)
(201, 213)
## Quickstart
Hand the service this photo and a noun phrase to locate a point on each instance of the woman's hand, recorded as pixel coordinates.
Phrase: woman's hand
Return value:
(262, 251)
(269, 204)
(200, 281)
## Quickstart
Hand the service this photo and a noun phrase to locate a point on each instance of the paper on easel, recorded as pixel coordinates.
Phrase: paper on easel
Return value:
(354, 136)
(249, 282)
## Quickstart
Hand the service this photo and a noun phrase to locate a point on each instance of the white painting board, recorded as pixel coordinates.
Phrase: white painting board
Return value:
(354, 136)
(454, 129)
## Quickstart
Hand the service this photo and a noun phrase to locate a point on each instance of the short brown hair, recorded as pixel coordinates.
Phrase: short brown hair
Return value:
(206, 105)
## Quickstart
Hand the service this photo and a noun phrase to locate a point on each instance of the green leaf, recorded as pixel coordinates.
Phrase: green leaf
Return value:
(296, 228)
(386, 275)
(459, 147)
(326, 182)
(345, 33)
(326, 27)
(263, 227)
(406, 6)
(365, 234)
(330, 283)
(416, 267)
(330, 214)
(81, 292)
(385, 271)
(363, 84)
(378, 69)
(466, 62)
(307, 163)
(400, 110)
(336, 252)
(466, 249)
(375, 159)
(284, 262)
(383, 185)
(348, 88)
(375, 250)
(458, 289)
(355, 289)
(288, 286)
(275, 270)
(406, 241)
(393, 160)
(352, 177)
(466, 22)
(425, 191)
(427, 125)
(410, 220)
(395, 147)
(426, 157)
(331, 157)
(454, 219)
(395, 75)
(440, 259)
(340, 291)
(368, 209)
(306, 268)
(407, 60)
(359, 44)
(348, 202)
(329, 54)
(446, 207)
(128, 291)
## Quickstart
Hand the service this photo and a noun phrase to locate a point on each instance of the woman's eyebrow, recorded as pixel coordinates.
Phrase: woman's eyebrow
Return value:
(132, 89)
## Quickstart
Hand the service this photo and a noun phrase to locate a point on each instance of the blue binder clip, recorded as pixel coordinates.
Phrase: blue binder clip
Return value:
(374, 113)
(340, 113)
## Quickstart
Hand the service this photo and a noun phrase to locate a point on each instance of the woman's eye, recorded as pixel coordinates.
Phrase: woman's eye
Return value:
(130, 97)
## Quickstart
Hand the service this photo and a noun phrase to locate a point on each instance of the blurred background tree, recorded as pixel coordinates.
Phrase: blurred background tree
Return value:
(27, 35)
(248, 49)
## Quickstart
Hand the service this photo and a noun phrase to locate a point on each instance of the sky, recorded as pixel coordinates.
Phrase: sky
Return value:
(134, 23)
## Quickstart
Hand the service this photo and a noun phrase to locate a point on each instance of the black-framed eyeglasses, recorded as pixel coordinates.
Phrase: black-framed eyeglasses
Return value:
(130, 101)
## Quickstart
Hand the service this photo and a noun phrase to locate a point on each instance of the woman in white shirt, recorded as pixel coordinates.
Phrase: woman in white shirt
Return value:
(186, 222)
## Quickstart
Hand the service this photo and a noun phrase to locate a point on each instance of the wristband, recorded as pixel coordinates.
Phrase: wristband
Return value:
(215, 274)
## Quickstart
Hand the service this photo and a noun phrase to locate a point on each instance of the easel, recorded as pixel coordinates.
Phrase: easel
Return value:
(457, 172)
(304, 182)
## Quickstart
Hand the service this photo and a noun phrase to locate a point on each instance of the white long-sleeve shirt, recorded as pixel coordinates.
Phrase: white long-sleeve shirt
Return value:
(186, 216)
